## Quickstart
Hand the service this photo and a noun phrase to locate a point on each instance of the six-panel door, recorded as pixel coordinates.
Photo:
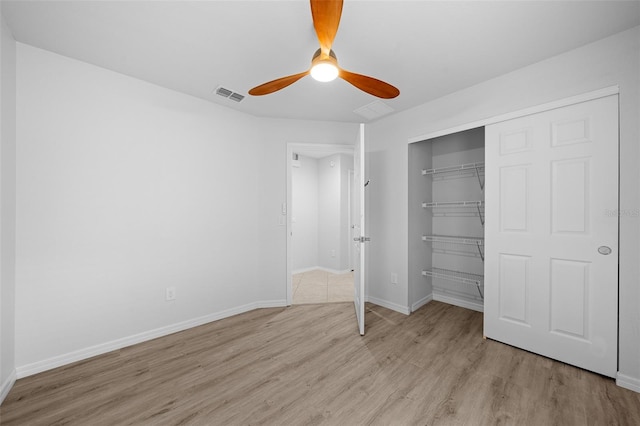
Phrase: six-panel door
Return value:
(551, 234)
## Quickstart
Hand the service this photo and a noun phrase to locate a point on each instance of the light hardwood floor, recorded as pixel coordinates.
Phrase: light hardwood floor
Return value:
(307, 365)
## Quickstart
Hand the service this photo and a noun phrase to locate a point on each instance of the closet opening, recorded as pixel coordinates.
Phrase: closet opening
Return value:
(446, 220)
(549, 258)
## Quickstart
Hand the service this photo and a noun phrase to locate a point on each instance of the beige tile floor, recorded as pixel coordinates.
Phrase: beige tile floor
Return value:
(319, 286)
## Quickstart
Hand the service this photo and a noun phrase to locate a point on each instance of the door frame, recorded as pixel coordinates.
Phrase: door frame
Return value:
(589, 96)
(308, 149)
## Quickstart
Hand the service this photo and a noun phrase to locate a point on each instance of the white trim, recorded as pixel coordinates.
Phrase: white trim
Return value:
(102, 348)
(312, 149)
(320, 268)
(628, 382)
(589, 96)
(388, 305)
(475, 306)
(270, 304)
(420, 303)
(7, 385)
(333, 271)
(303, 270)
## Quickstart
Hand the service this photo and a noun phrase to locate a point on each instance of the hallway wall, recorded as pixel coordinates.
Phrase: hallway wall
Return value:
(304, 187)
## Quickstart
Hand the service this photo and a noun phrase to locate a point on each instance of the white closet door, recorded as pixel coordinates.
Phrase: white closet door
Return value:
(551, 234)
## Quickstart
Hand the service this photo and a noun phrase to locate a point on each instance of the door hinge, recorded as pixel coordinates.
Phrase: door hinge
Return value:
(362, 239)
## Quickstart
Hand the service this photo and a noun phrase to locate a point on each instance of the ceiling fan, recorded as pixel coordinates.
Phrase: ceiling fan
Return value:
(324, 64)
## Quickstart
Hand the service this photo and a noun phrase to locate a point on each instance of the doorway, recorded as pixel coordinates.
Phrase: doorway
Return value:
(319, 223)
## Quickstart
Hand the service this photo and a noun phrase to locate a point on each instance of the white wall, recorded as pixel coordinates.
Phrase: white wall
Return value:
(125, 188)
(304, 193)
(346, 164)
(329, 202)
(7, 206)
(611, 61)
(419, 288)
(333, 211)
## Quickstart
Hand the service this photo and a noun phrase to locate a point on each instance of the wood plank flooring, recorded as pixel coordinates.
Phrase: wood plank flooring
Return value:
(307, 365)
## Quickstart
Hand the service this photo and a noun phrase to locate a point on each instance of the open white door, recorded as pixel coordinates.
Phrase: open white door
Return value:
(551, 234)
(359, 239)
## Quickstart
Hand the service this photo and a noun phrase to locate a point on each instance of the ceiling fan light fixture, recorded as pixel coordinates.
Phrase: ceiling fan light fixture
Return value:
(324, 72)
(324, 63)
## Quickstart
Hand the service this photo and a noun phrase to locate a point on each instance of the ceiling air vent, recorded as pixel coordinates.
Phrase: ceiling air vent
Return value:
(229, 94)
(223, 92)
(374, 110)
(236, 97)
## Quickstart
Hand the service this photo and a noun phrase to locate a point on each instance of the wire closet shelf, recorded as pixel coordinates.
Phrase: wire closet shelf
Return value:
(461, 277)
(478, 242)
(475, 168)
(478, 204)
(469, 169)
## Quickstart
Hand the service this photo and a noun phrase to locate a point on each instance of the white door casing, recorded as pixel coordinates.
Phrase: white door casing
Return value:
(551, 233)
(359, 239)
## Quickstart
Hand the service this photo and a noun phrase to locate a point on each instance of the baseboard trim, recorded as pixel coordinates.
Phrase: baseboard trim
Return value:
(271, 304)
(628, 382)
(333, 271)
(303, 270)
(420, 303)
(389, 305)
(82, 354)
(321, 268)
(458, 302)
(7, 385)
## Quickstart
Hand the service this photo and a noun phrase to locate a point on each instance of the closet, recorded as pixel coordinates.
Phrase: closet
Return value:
(550, 258)
(446, 220)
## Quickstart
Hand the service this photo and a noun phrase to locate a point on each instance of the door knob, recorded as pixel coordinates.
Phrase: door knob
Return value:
(605, 250)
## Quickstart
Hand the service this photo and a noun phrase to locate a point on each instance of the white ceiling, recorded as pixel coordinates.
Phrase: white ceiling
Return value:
(425, 48)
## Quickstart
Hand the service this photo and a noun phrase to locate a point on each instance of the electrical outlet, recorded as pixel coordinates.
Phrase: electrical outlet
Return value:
(333, 253)
(170, 293)
(394, 278)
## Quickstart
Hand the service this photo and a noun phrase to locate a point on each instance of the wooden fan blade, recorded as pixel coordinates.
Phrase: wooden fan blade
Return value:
(326, 18)
(371, 85)
(275, 85)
